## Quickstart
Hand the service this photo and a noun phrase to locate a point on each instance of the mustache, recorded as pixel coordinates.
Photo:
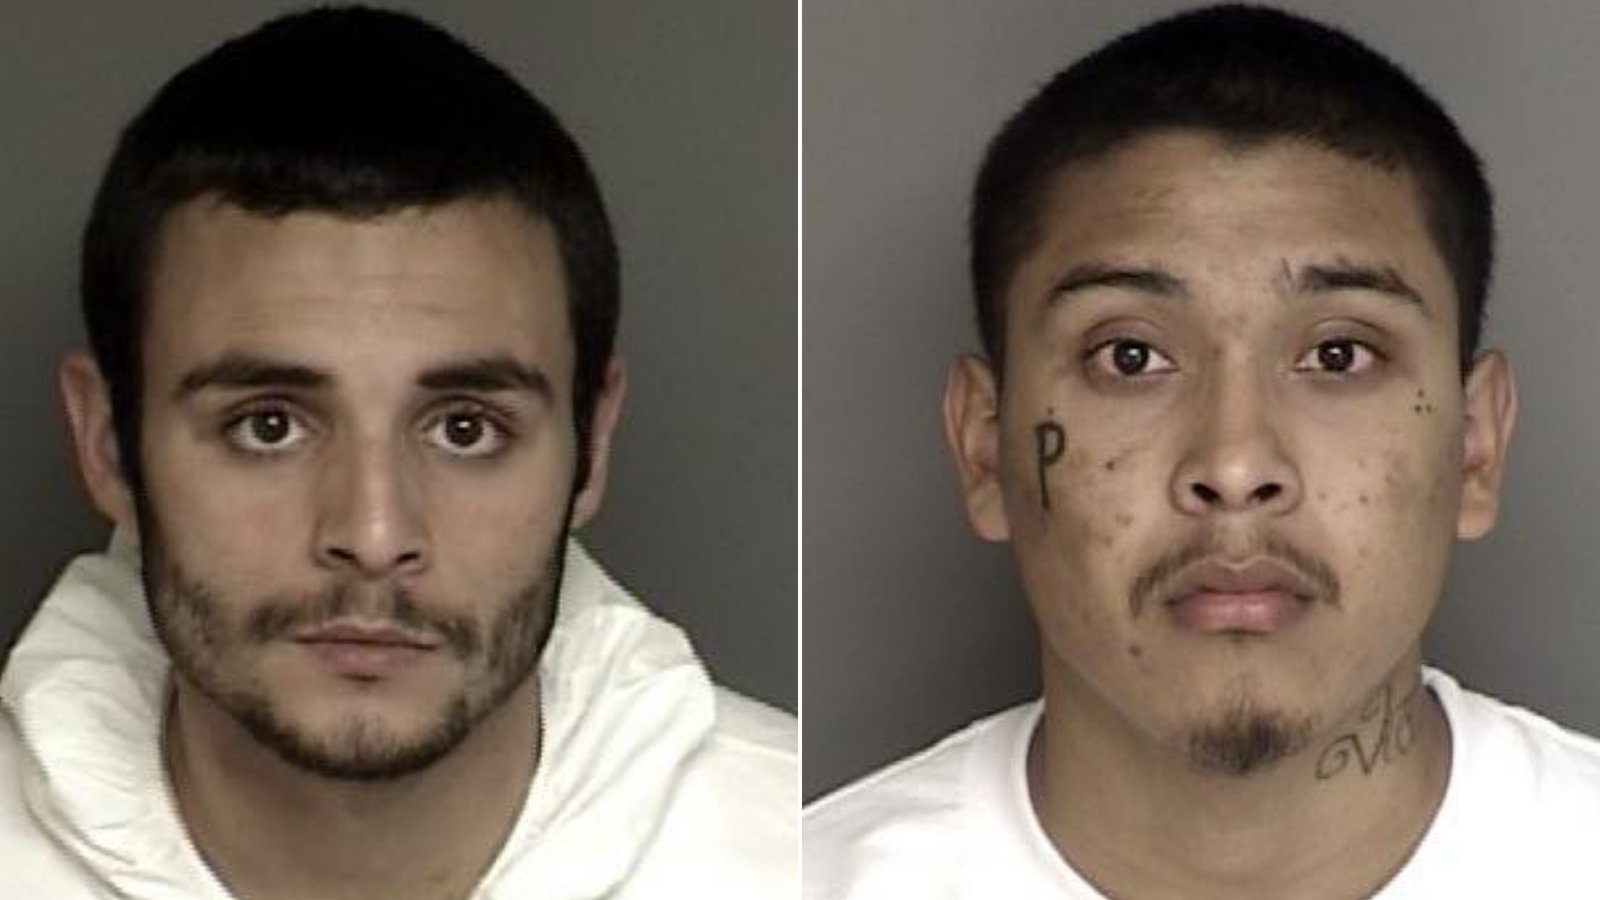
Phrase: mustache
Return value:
(279, 618)
(1157, 578)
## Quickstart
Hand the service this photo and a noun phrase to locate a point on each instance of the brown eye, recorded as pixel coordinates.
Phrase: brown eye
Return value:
(468, 434)
(269, 428)
(463, 431)
(1341, 356)
(1336, 356)
(1128, 358)
(265, 431)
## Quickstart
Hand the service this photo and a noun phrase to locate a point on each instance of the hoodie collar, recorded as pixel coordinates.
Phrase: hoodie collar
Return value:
(625, 705)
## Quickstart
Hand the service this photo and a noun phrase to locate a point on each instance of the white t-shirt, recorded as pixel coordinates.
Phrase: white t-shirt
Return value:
(1520, 818)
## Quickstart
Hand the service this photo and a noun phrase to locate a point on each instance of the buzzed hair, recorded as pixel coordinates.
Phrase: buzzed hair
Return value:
(1247, 74)
(352, 111)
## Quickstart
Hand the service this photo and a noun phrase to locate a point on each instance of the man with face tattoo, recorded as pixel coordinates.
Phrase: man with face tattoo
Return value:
(1230, 272)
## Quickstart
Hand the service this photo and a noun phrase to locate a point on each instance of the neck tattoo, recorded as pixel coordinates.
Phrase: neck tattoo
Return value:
(1385, 732)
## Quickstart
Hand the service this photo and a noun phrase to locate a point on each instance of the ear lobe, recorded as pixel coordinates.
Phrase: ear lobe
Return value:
(1490, 414)
(607, 410)
(972, 432)
(86, 399)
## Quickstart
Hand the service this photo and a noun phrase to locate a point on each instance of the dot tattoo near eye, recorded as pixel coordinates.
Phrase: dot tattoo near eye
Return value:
(1050, 441)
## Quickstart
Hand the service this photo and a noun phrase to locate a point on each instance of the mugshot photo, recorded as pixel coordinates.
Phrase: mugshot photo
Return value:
(401, 401)
(1196, 439)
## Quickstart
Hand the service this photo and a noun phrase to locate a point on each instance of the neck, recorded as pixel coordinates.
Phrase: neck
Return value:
(269, 829)
(1337, 819)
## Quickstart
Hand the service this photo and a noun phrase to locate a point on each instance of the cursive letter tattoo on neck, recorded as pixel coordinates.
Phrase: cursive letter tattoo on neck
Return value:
(1049, 441)
(1386, 730)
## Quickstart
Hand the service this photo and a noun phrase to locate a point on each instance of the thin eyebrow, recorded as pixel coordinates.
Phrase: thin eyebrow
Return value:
(486, 374)
(1133, 278)
(1384, 280)
(243, 371)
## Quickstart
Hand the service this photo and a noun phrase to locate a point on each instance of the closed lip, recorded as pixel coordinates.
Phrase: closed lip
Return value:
(1262, 575)
(372, 635)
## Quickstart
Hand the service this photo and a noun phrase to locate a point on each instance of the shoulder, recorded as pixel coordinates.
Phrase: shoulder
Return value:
(1515, 757)
(748, 767)
(897, 831)
(730, 829)
(1523, 801)
(750, 739)
(31, 864)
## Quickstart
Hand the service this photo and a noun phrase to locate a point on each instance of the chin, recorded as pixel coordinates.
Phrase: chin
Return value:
(1246, 740)
(351, 730)
(1244, 727)
(359, 743)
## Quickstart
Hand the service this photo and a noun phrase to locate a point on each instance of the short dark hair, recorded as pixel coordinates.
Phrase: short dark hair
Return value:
(1248, 74)
(356, 112)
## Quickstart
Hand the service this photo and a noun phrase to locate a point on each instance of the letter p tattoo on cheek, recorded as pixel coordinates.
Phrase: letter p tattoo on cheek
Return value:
(1049, 441)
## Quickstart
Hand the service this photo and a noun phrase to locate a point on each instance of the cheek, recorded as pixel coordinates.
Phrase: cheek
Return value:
(213, 519)
(1078, 560)
(1392, 506)
(483, 505)
(496, 528)
(1411, 477)
(1076, 553)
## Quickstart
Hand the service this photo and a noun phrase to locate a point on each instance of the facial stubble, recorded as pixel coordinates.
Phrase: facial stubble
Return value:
(193, 622)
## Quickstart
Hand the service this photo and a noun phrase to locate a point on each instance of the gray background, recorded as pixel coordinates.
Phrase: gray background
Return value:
(913, 626)
(688, 113)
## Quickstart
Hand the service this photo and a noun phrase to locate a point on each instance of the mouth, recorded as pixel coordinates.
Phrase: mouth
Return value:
(366, 653)
(1254, 597)
(365, 635)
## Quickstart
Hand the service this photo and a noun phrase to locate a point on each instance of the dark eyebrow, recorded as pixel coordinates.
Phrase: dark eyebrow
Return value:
(241, 371)
(488, 373)
(1341, 276)
(1132, 278)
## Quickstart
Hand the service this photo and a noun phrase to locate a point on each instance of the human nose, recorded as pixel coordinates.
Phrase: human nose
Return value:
(369, 515)
(1236, 460)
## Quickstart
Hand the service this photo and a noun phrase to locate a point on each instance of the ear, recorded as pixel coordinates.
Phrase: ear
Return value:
(86, 398)
(607, 409)
(1491, 412)
(972, 431)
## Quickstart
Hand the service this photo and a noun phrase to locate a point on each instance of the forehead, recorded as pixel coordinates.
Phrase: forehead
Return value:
(472, 276)
(1192, 200)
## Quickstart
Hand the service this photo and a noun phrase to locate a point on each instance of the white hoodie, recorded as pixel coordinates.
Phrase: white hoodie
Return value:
(654, 782)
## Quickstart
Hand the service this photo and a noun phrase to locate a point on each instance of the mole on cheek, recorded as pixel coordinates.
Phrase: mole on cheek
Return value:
(1135, 651)
(1113, 463)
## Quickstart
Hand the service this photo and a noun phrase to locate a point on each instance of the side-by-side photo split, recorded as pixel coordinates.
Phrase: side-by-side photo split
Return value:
(800, 450)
